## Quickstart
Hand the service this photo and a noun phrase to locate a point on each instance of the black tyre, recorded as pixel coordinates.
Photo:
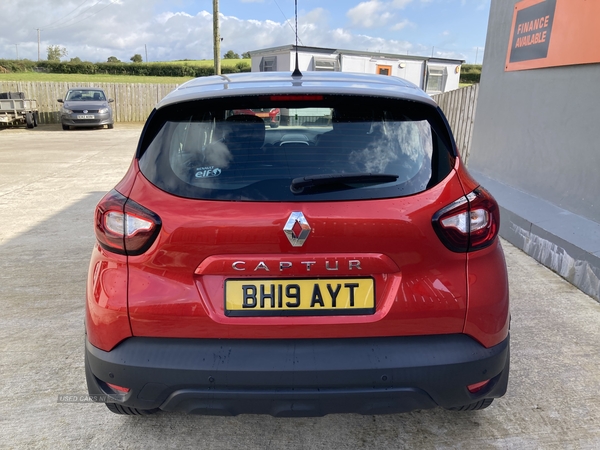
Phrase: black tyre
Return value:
(126, 410)
(36, 118)
(29, 119)
(110, 126)
(66, 127)
(481, 404)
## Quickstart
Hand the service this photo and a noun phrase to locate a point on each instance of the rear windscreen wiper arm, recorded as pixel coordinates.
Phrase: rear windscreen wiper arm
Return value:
(298, 184)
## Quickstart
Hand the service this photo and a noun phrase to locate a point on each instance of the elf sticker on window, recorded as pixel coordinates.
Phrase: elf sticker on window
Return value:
(208, 172)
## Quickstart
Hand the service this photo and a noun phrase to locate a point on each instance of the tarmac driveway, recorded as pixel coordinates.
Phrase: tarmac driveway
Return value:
(50, 181)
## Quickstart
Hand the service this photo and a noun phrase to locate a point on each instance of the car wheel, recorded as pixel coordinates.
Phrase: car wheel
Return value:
(66, 127)
(481, 404)
(29, 119)
(36, 119)
(126, 410)
(110, 126)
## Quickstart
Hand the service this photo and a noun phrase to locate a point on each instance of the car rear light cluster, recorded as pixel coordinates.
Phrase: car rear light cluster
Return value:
(123, 226)
(470, 223)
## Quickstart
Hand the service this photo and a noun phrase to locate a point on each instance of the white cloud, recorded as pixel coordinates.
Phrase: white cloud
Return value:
(377, 13)
(401, 25)
(125, 28)
(370, 14)
(401, 3)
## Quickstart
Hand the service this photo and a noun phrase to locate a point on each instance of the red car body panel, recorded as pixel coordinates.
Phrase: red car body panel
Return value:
(488, 316)
(417, 291)
(106, 312)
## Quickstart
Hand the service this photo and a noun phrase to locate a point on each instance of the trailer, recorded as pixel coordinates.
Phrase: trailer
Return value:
(15, 109)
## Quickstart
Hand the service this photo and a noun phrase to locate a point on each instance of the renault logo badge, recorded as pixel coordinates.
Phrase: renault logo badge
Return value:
(296, 229)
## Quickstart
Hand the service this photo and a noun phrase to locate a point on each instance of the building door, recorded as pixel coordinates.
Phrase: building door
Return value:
(384, 70)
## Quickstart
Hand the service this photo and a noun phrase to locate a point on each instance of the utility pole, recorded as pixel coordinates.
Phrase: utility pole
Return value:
(146, 48)
(476, 54)
(17, 47)
(216, 37)
(38, 30)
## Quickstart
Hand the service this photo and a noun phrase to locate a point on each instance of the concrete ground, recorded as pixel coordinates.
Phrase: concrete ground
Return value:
(50, 181)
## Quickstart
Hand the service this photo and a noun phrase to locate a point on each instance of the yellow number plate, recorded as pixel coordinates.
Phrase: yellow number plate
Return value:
(299, 297)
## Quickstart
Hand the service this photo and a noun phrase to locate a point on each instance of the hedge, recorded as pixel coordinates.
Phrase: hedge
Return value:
(143, 69)
(470, 77)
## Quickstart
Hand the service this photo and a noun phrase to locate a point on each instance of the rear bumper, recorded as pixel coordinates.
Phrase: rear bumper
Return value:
(300, 377)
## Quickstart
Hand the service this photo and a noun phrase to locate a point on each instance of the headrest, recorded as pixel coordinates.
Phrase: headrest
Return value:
(245, 130)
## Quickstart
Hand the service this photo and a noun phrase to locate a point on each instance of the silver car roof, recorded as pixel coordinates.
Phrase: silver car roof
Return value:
(273, 83)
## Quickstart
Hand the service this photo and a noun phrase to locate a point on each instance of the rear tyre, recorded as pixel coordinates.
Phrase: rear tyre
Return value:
(29, 120)
(127, 411)
(36, 119)
(110, 126)
(66, 127)
(481, 404)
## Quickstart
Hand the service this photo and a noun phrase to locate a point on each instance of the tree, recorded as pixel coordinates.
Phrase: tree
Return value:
(76, 60)
(137, 58)
(113, 59)
(246, 55)
(231, 55)
(55, 52)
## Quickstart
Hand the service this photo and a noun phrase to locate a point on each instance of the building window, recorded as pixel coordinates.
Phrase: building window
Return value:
(325, 64)
(384, 70)
(268, 64)
(436, 79)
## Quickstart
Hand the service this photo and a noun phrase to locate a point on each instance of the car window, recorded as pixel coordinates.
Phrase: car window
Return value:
(342, 145)
(85, 95)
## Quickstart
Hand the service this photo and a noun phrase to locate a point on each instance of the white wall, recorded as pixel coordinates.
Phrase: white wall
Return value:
(412, 70)
(284, 61)
(408, 69)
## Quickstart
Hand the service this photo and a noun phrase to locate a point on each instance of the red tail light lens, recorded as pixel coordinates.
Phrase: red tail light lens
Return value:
(470, 223)
(296, 98)
(123, 226)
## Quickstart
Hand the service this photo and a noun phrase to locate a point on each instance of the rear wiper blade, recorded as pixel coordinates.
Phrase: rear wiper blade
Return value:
(298, 184)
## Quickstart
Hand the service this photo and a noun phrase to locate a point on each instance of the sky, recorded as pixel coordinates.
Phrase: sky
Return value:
(168, 30)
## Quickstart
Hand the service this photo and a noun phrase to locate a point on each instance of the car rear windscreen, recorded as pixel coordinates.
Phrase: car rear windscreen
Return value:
(296, 148)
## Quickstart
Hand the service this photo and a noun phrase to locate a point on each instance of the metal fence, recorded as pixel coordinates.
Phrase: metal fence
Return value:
(460, 106)
(133, 101)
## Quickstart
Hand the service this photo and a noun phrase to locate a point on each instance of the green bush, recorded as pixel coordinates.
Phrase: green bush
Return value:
(243, 67)
(470, 73)
(120, 68)
(470, 77)
(21, 65)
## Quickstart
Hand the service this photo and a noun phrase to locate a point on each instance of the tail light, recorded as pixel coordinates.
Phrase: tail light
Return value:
(123, 226)
(470, 223)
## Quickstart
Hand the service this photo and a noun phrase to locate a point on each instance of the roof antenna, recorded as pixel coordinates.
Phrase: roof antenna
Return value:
(297, 72)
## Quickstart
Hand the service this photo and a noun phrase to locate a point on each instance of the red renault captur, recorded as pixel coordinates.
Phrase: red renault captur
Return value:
(344, 262)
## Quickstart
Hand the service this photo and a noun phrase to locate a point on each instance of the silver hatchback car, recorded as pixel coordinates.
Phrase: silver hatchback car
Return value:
(86, 107)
